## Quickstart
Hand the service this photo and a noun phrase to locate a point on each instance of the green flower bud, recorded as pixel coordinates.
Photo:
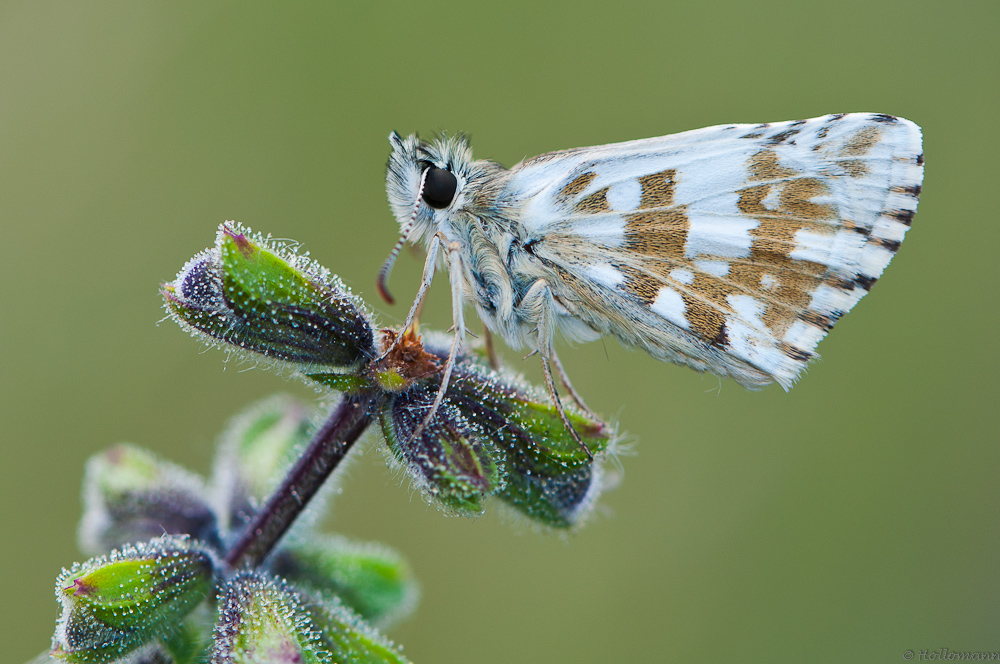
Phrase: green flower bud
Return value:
(370, 578)
(449, 462)
(346, 636)
(115, 604)
(262, 621)
(257, 448)
(130, 495)
(493, 435)
(260, 296)
(551, 478)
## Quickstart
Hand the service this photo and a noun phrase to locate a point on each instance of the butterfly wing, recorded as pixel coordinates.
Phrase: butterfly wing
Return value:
(732, 249)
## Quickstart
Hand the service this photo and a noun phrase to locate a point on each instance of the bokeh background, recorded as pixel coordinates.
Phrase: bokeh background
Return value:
(850, 520)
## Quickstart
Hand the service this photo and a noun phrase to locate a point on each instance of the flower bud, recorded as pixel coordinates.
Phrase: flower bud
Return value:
(261, 621)
(130, 495)
(370, 578)
(115, 604)
(449, 461)
(260, 296)
(346, 636)
(493, 435)
(552, 480)
(257, 448)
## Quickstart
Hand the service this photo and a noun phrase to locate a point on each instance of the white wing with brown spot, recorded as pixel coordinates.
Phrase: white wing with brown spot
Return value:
(733, 249)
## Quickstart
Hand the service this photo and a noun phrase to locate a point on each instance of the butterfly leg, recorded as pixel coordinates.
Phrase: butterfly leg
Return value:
(564, 379)
(418, 300)
(539, 305)
(491, 351)
(457, 303)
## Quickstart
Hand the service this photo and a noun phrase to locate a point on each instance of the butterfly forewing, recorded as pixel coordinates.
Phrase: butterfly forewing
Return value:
(733, 249)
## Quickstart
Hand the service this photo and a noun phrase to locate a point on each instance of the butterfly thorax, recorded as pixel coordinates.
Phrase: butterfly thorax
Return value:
(499, 264)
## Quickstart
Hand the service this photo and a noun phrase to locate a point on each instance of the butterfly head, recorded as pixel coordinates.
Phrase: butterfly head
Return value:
(425, 182)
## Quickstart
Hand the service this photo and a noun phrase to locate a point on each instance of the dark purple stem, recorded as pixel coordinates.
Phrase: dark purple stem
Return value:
(327, 448)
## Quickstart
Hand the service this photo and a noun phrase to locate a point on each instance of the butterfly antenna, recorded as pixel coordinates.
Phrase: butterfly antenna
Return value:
(383, 275)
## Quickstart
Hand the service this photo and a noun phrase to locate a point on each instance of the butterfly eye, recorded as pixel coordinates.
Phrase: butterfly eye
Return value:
(439, 187)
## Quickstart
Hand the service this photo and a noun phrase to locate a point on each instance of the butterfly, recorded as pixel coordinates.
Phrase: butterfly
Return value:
(731, 249)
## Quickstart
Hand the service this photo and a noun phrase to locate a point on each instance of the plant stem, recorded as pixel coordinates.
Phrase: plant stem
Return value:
(328, 447)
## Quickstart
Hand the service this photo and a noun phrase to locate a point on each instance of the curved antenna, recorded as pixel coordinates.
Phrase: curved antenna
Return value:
(383, 275)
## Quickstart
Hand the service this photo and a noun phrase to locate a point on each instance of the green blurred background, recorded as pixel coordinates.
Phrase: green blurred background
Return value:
(847, 521)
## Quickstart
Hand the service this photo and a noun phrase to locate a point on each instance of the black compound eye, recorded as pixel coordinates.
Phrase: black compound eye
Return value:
(439, 187)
